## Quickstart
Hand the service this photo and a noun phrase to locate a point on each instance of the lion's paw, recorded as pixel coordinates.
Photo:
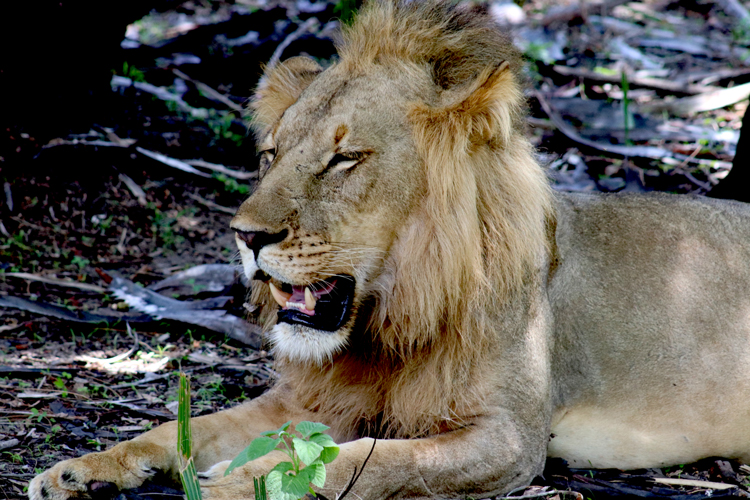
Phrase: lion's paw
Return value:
(216, 471)
(92, 476)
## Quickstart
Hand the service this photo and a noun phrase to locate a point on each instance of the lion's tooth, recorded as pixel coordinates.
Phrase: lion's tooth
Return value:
(310, 300)
(280, 297)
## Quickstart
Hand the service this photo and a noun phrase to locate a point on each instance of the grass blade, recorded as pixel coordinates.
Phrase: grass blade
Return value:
(259, 483)
(188, 474)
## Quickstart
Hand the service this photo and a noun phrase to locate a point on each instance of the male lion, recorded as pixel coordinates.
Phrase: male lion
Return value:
(434, 293)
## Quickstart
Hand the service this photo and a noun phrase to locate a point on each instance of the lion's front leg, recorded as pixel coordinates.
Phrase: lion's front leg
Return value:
(491, 456)
(216, 438)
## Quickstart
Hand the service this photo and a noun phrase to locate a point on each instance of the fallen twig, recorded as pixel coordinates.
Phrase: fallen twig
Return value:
(10, 443)
(535, 492)
(704, 102)
(648, 83)
(119, 357)
(64, 313)
(134, 188)
(171, 162)
(209, 92)
(304, 27)
(735, 10)
(160, 93)
(147, 379)
(8, 196)
(82, 142)
(237, 174)
(61, 416)
(212, 205)
(56, 281)
(708, 485)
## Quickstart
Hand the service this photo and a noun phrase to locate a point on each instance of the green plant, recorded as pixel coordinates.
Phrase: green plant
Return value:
(231, 185)
(188, 474)
(346, 10)
(16, 458)
(308, 455)
(133, 73)
(628, 121)
(96, 443)
(39, 415)
(79, 261)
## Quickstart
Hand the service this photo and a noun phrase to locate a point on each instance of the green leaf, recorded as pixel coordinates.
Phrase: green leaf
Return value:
(274, 486)
(308, 428)
(329, 454)
(278, 431)
(317, 474)
(296, 485)
(283, 467)
(330, 449)
(259, 447)
(323, 440)
(307, 451)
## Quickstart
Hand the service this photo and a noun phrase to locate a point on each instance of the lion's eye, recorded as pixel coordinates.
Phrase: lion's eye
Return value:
(268, 155)
(344, 161)
(266, 158)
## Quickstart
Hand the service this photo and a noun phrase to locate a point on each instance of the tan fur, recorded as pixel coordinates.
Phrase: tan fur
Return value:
(493, 322)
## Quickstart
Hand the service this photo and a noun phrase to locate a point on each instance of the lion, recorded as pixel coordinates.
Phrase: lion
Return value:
(431, 299)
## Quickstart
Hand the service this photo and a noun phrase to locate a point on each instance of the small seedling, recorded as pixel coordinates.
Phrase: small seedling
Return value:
(308, 455)
(308, 449)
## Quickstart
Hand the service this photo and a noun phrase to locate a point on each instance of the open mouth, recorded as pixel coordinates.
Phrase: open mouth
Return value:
(324, 305)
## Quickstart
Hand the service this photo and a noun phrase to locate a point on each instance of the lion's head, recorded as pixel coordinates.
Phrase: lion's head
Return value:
(397, 200)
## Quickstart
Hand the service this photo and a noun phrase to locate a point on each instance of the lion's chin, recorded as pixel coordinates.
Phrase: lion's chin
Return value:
(302, 344)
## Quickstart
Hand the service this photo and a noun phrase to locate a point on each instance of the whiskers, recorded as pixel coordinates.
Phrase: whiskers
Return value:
(342, 253)
(235, 260)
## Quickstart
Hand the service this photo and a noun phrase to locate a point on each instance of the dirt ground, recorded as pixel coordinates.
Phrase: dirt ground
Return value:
(80, 204)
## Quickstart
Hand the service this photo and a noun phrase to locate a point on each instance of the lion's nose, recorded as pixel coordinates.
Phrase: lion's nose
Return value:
(255, 240)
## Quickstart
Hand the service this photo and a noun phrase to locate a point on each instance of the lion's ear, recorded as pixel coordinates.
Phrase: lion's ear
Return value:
(483, 109)
(280, 87)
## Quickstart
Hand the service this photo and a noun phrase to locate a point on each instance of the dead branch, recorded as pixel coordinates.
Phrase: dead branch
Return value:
(56, 281)
(209, 92)
(237, 174)
(51, 310)
(160, 93)
(735, 10)
(210, 204)
(171, 162)
(704, 102)
(304, 28)
(708, 485)
(648, 83)
(134, 188)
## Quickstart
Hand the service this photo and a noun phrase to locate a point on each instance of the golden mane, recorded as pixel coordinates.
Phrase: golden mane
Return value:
(477, 238)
